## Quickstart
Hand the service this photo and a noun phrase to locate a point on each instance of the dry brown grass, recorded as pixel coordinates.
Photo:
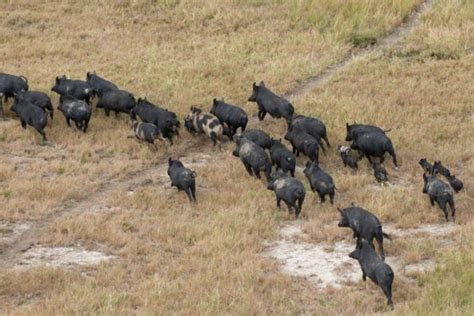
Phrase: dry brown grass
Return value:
(178, 258)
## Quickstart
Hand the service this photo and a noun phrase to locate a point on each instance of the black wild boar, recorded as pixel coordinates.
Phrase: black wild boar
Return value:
(427, 167)
(303, 142)
(10, 85)
(282, 157)
(146, 132)
(364, 224)
(37, 98)
(374, 145)
(455, 183)
(77, 110)
(99, 84)
(268, 101)
(438, 167)
(233, 116)
(380, 173)
(288, 189)
(166, 121)
(254, 157)
(205, 123)
(439, 192)
(347, 159)
(313, 127)
(259, 137)
(32, 115)
(77, 88)
(182, 178)
(355, 130)
(320, 181)
(373, 267)
(116, 100)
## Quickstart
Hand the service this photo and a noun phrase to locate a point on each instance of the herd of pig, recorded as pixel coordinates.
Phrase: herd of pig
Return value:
(256, 149)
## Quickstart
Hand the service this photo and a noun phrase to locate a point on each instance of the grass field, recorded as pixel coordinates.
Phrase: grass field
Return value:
(172, 257)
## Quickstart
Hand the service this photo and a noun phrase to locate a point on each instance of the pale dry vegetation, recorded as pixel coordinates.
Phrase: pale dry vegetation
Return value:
(172, 257)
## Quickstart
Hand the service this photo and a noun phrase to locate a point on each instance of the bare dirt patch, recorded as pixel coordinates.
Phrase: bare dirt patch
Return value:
(9, 232)
(328, 265)
(60, 257)
(433, 230)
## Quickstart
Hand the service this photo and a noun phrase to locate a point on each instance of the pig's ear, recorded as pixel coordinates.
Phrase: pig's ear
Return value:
(254, 85)
(352, 203)
(214, 101)
(169, 160)
(262, 84)
(308, 163)
(57, 79)
(340, 211)
(347, 126)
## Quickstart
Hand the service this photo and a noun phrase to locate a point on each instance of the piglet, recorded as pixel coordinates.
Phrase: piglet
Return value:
(346, 157)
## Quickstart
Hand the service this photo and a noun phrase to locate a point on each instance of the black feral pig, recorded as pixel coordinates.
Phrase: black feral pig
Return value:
(119, 101)
(346, 157)
(233, 116)
(10, 85)
(282, 157)
(313, 127)
(166, 121)
(374, 145)
(355, 130)
(40, 99)
(259, 137)
(303, 142)
(288, 189)
(198, 122)
(374, 268)
(364, 224)
(99, 84)
(146, 132)
(32, 115)
(77, 110)
(455, 183)
(268, 101)
(320, 181)
(427, 167)
(182, 178)
(254, 157)
(77, 88)
(380, 173)
(439, 192)
(438, 167)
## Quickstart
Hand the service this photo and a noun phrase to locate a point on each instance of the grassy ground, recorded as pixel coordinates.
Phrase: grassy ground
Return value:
(176, 258)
